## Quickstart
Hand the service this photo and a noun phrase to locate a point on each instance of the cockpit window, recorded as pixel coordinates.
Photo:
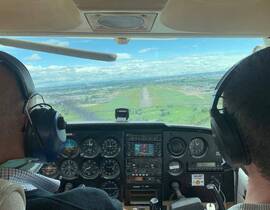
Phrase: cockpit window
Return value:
(160, 80)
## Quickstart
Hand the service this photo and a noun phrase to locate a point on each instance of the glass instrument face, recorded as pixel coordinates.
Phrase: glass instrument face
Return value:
(70, 149)
(110, 148)
(89, 148)
(90, 169)
(110, 169)
(69, 169)
(197, 147)
(49, 170)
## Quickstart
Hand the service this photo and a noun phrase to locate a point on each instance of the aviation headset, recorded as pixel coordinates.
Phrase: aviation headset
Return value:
(45, 131)
(225, 129)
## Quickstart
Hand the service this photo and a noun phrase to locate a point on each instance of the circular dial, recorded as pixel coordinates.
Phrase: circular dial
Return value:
(110, 169)
(70, 149)
(89, 169)
(89, 148)
(197, 147)
(175, 168)
(110, 148)
(69, 169)
(49, 170)
(111, 188)
(176, 146)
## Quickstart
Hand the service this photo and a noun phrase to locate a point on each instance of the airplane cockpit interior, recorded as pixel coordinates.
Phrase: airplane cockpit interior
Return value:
(133, 83)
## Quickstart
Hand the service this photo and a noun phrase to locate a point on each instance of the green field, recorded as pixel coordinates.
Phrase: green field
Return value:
(184, 101)
(166, 105)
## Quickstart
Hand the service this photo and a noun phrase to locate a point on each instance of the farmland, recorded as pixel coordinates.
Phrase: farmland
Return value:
(183, 99)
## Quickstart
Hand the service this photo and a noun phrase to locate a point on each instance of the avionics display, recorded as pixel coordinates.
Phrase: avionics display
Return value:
(144, 150)
(143, 145)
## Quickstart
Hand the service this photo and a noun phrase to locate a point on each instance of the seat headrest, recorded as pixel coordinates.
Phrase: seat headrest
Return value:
(23, 76)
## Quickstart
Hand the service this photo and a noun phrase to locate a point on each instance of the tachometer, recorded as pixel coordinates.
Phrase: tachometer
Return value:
(110, 169)
(111, 188)
(176, 147)
(89, 148)
(70, 149)
(69, 169)
(90, 169)
(49, 170)
(110, 148)
(197, 147)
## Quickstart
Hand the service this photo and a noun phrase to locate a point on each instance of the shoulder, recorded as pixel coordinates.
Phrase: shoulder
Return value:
(247, 206)
(11, 196)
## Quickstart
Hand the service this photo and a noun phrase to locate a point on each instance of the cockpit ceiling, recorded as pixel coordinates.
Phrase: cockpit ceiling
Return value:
(118, 5)
(140, 18)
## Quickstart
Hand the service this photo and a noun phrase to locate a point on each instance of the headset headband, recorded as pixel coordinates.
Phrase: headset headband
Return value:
(22, 75)
(219, 89)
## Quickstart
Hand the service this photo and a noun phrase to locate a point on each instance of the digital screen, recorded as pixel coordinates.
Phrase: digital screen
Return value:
(206, 164)
(144, 150)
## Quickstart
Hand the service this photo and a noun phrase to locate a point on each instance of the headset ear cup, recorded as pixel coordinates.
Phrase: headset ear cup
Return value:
(228, 139)
(32, 144)
(48, 137)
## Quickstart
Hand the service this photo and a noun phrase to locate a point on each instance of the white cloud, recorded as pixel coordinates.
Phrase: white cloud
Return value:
(145, 50)
(57, 42)
(53, 76)
(33, 57)
(123, 56)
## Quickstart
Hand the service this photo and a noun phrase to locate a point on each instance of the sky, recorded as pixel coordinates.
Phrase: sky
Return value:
(137, 59)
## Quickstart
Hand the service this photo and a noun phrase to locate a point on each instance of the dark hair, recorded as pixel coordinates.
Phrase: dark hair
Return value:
(247, 98)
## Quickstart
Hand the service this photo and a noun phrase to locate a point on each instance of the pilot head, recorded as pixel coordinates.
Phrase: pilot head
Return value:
(28, 128)
(246, 98)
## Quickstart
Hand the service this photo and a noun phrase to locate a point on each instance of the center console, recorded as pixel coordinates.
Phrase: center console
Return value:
(143, 167)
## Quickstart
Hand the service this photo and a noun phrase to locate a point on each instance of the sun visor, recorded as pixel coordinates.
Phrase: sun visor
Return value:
(218, 17)
(33, 15)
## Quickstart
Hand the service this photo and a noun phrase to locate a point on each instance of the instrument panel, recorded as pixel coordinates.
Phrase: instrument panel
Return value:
(137, 161)
(89, 158)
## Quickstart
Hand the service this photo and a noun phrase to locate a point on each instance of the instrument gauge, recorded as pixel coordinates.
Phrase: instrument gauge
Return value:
(89, 148)
(70, 149)
(90, 169)
(110, 169)
(110, 148)
(111, 188)
(175, 168)
(49, 170)
(69, 169)
(197, 147)
(176, 146)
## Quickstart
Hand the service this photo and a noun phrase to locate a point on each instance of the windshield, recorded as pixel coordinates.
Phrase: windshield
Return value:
(169, 81)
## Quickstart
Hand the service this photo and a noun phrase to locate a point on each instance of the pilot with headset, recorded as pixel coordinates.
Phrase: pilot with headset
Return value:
(240, 121)
(31, 129)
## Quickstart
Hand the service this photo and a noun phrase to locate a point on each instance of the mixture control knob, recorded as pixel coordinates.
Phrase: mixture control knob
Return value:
(154, 204)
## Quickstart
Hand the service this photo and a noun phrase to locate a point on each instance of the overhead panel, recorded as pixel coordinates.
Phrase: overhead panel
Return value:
(120, 5)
